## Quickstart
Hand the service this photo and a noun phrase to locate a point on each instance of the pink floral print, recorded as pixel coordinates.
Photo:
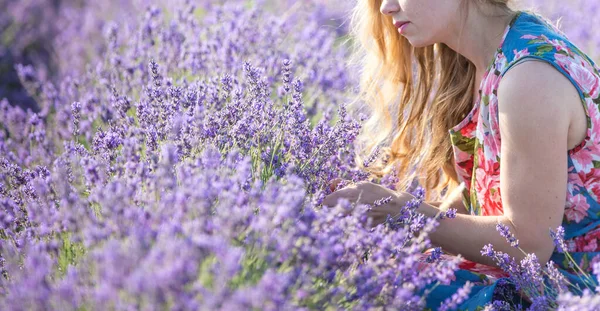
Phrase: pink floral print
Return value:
(576, 208)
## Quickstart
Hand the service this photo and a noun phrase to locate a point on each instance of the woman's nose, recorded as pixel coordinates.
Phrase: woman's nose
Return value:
(389, 7)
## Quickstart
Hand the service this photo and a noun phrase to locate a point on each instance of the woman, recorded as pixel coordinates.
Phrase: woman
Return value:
(514, 116)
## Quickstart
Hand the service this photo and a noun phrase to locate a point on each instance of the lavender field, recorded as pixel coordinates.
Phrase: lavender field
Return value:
(174, 155)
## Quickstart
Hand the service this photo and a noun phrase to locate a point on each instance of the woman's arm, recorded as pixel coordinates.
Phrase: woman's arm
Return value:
(452, 200)
(468, 234)
(533, 174)
(534, 128)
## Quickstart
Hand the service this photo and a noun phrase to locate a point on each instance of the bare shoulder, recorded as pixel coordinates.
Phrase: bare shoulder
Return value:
(535, 87)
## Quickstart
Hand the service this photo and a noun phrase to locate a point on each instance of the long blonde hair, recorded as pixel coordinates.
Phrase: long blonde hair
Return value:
(407, 119)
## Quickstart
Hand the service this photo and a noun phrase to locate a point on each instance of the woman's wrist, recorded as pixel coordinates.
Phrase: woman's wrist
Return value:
(424, 208)
(428, 210)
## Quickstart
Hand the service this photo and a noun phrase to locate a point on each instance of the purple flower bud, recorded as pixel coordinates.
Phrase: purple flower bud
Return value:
(382, 201)
(487, 250)
(558, 237)
(435, 255)
(451, 213)
(505, 232)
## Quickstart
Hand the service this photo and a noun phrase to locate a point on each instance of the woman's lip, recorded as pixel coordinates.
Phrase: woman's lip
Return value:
(401, 28)
(399, 24)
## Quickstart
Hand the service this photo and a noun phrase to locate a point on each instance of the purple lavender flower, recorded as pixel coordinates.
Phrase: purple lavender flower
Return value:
(382, 201)
(286, 75)
(487, 250)
(372, 157)
(588, 300)
(194, 140)
(505, 232)
(556, 279)
(435, 255)
(558, 237)
(451, 213)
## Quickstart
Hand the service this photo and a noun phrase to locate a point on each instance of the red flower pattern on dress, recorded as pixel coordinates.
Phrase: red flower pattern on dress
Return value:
(487, 185)
(469, 129)
(591, 182)
(466, 167)
(483, 269)
(585, 243)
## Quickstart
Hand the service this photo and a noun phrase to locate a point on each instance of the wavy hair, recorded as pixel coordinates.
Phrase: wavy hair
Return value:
(414, 96)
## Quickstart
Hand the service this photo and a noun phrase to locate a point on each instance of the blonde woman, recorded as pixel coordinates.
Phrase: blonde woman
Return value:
(476, 92)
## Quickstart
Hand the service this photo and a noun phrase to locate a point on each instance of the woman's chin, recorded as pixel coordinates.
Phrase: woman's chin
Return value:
(417, 42)
(420, 43)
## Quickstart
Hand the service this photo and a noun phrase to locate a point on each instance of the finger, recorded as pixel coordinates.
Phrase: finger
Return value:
(334, 183)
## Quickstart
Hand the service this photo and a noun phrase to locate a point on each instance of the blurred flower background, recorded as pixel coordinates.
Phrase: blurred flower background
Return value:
(174, 155)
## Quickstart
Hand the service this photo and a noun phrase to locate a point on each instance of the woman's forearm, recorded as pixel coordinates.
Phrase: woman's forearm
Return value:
(468, 234)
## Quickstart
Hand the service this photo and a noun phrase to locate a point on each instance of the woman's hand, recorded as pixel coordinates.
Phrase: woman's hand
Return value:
(367, 193)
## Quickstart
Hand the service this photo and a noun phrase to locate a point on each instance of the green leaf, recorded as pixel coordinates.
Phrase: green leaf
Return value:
(69, 253)
(485, 100)
(585, 262)
(204, 275)
(466, 144)
(534, 41)
(253, 268)
(544, 48)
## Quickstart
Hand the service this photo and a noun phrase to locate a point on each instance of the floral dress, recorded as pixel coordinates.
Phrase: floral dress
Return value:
(476, 143)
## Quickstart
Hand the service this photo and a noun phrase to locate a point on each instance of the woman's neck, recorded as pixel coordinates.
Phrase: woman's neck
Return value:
(480, 37)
